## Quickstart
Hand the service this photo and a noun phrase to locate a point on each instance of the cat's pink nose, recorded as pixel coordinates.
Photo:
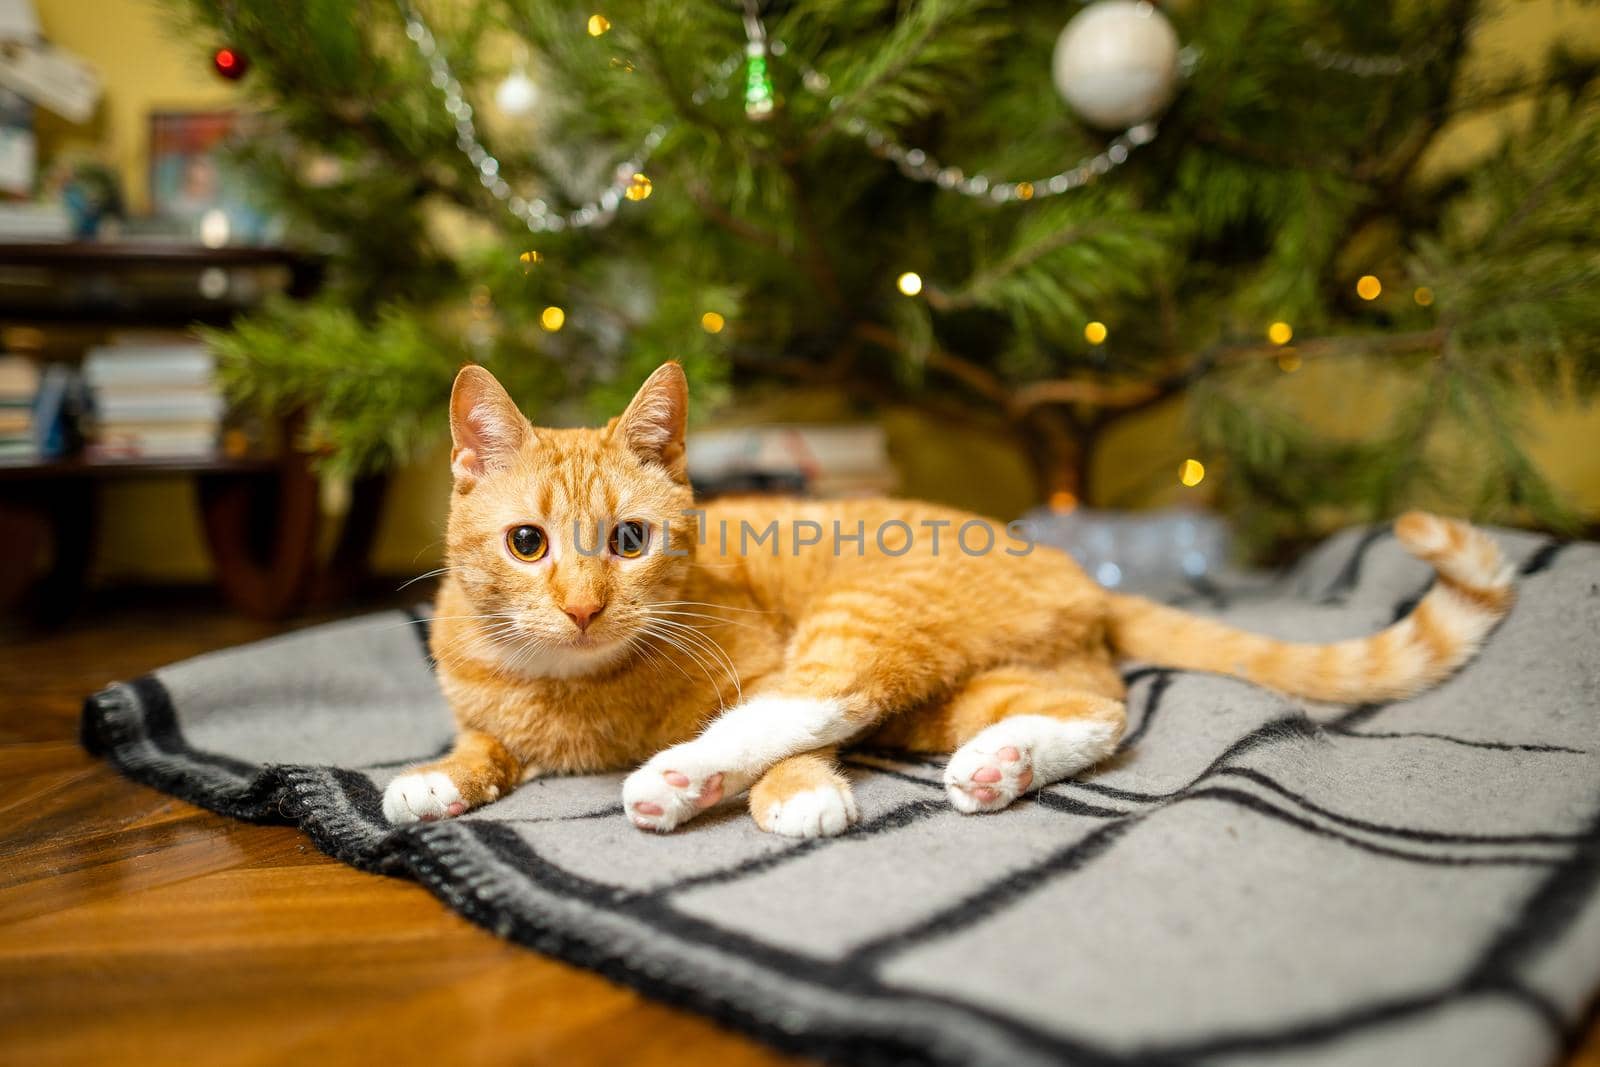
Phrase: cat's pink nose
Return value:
(583, 614)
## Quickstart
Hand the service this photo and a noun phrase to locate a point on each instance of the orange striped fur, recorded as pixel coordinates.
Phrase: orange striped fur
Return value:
(1471, 595)
(728, 668)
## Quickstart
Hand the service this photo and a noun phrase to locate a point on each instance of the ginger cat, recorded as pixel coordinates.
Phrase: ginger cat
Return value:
(591, 622)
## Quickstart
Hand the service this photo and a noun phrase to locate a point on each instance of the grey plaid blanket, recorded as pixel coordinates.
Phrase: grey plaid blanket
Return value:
(1245, 883)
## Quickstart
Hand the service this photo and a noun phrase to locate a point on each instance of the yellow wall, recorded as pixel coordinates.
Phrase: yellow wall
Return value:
(143, 68)
(148, 531)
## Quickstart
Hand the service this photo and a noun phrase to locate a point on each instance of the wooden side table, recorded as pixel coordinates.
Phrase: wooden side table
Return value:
(260, 518)
(260, 514)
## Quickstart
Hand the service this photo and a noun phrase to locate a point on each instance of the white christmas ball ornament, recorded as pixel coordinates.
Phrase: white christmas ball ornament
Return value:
(1116, 63)
(517, 94)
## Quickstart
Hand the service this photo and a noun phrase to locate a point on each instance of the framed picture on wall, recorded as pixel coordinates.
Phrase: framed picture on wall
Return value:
(194, 181)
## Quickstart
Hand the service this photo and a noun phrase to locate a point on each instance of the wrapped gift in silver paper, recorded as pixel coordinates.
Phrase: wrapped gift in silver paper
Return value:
(1149, 552)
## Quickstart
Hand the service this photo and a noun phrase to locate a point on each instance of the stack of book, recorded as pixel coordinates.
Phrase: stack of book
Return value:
(19, 385)
(153, 401)
(22, 222)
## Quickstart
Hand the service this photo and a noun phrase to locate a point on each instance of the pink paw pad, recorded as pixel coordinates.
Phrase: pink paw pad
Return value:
(456, 808)
(982, 780)
(710, 792)
(644, 807)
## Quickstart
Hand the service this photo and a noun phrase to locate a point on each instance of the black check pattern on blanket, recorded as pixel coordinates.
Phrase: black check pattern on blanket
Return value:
(1247, 881)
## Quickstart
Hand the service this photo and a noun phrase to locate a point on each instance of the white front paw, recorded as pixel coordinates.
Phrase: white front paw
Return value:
(671, 789)
(1024, 752)
(424, 797)
(825, 811)
(982, 778)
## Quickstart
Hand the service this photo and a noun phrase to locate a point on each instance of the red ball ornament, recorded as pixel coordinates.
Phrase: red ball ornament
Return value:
(230, 63)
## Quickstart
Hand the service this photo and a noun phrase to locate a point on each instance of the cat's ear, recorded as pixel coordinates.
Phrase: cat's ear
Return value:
(653, 425)
(486, 429)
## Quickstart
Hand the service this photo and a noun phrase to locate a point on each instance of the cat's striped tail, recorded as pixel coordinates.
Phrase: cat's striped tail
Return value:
(1471, 594)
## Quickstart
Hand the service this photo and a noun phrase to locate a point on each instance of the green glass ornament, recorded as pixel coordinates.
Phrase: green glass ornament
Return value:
(758, 95)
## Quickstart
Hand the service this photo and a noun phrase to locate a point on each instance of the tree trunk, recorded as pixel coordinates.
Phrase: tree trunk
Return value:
(1061, 454)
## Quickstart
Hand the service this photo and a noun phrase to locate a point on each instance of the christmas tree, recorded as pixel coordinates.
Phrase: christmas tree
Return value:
(893, 199)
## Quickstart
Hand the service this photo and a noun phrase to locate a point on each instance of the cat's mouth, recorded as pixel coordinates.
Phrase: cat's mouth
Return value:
(591, 642)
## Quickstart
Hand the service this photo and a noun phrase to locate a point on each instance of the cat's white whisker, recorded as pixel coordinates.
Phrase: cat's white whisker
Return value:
(676, 647)
(680, 643)
(429, 620)
(430, 574)
(697, 652)
(654, 657)
(711, 647)
(658, 613)
(710, 604)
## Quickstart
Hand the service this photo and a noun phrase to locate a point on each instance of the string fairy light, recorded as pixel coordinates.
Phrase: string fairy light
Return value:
(909, 283)
(639, 188)
(1280, 333)
(918, 165)
(1368, 287)
(1095, 333)
(1192, 473)
(711, 322)
(552, 318)
(913, 162)
(1370, 66)
(535, 213)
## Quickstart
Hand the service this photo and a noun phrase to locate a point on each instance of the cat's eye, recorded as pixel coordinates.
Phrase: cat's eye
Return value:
(629, 539)
(527, 543)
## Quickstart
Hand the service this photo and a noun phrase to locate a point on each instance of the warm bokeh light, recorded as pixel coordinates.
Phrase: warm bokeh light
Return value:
(1280, 333)
(1423, 296)
(711, 322)
(598, 24)
(552, 318)
(1095, 332)
(639, 188)
(1024, 190)
(1192, 473)
(1368, 287)
(1062, 501)
(909, 283)
(529, 260)
(1288, 361)
(214, 228)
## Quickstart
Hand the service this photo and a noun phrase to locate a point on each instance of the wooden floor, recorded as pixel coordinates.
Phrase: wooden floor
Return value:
(137, 929)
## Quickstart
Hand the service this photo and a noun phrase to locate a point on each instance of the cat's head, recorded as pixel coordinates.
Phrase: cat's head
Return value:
(560, 538)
